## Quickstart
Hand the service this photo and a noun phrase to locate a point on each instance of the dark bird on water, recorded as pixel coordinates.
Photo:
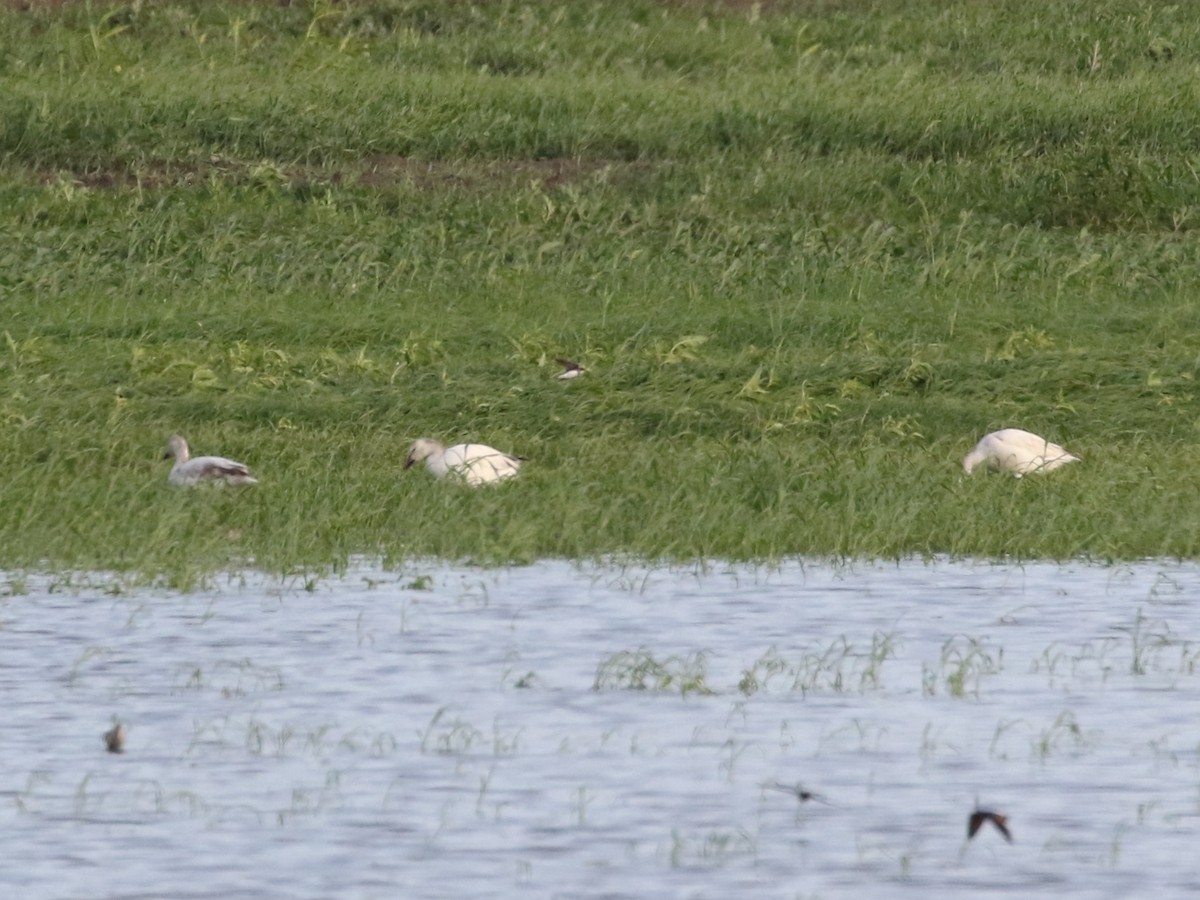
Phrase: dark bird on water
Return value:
(114, 739)
(979, 816)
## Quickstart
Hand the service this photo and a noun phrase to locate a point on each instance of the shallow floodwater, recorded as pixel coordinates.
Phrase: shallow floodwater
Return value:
(570, 731)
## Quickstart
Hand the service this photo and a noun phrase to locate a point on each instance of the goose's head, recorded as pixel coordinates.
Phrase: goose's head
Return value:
(422, 449)
(177, 449)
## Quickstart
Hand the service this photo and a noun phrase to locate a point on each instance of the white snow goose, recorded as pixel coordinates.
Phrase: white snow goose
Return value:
(1017, 453)
(189, 471)
(473, 463)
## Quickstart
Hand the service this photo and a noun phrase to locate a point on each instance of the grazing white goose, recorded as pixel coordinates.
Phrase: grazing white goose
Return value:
(473, 463)
(203, 469)
(1017, 452)
(571, 369)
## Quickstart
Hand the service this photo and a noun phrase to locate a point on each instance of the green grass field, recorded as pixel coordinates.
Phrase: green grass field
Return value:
(810, 251)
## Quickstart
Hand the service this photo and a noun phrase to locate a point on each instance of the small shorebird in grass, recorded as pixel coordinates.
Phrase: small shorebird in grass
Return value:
(189, 471)
(1017, 453)
(979, 816)
(114, 739)
(474, 464)
(571, 369)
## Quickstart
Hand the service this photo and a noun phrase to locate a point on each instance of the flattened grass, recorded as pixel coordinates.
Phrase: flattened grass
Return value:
(809, 253)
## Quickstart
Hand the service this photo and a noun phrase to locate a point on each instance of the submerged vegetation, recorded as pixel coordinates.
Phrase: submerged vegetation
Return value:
(808, 252)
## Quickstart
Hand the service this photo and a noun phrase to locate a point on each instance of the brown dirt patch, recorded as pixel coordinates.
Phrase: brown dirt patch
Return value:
(384, 170)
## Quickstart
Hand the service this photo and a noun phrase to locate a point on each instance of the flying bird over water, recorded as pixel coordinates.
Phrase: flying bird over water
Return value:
(979, 816)
(798, 791)
(473, 463)
(189, 471)
(1018, 453)
(571, 369)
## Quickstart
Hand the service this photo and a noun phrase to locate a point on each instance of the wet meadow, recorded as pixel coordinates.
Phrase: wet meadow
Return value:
(809, 253)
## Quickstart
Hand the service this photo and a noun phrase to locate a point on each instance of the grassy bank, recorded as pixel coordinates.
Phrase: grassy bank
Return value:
(811, 252)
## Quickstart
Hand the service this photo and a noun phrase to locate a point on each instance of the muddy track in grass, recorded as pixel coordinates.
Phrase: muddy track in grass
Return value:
(381, 171)
(764, 6)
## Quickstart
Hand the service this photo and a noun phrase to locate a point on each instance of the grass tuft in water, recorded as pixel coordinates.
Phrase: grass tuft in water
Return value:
(639, 671)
